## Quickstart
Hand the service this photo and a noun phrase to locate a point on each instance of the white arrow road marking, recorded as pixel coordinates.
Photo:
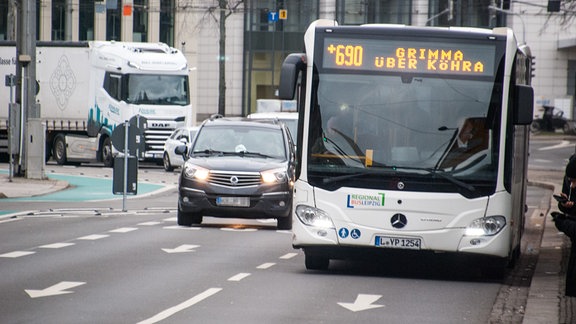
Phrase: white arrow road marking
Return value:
(16, 254)
(182, 248)
(561, 145)
(363, 302)
(57, 289)
(182, 306)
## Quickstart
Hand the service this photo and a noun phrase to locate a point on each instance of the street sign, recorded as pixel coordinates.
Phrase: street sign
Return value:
(283, 14)
(135, 142)
(118, 176)
(272, 16)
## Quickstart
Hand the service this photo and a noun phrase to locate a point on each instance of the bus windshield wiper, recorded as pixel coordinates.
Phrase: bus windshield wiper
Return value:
(445, 176)
(345, 176)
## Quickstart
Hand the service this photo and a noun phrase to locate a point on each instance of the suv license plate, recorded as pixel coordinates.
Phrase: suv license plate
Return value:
(233, 201)
(398, 242)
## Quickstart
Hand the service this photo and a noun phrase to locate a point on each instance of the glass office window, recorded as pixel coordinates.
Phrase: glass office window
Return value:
(357, 12)
(167, 13)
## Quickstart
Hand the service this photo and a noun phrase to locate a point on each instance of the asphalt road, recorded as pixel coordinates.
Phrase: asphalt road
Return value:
(78, 261)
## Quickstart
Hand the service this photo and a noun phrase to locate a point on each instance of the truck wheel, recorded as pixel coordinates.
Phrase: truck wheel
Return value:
(107, 157)
(59, 150)
(535, 127)
(167, 165)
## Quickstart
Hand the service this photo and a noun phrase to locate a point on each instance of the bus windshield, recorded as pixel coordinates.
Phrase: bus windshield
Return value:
(417, 127)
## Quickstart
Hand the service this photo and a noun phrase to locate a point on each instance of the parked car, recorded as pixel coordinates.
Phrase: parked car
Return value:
(288, 118)
(180, 136)
(238, 168)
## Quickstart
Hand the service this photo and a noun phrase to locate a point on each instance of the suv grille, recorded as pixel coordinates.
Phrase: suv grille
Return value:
(235, 179)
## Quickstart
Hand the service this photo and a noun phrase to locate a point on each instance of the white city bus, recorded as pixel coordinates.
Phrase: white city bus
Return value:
(411, 138)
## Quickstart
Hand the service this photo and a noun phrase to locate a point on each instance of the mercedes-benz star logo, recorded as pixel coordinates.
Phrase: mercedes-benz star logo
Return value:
(398, 220)
(234, 180)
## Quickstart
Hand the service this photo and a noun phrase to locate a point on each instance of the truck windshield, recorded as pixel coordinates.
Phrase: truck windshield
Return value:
(392, 126)
(150, 89)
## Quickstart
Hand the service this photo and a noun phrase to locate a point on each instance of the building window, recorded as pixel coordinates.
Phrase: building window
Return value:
(357, 12)
(113, 20)
(268, 41)
(4, 20)
(86, 21)
(140, 21)
(472, 13)
(58, 19)
(167, 13)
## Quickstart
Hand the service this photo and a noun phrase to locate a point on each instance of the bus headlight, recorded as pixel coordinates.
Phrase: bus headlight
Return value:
(488, 226)
(313, 216)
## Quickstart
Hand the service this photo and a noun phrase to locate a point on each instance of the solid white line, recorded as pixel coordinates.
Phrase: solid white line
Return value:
(180, 307)
(238, 277)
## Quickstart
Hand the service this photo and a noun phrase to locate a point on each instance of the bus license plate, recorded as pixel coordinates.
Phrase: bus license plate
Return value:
(398, 242)
(233, 201)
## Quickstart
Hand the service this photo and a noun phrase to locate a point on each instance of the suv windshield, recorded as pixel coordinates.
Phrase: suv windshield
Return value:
(264, 142)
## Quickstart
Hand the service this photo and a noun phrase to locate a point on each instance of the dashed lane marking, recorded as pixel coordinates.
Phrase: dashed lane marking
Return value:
(239, 276)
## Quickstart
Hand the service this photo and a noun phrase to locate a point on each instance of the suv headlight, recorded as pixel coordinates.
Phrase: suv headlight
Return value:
(192, 171)
(489, 226)
(313, 216)
(274, 176)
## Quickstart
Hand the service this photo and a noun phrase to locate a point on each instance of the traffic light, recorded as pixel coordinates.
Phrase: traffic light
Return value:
(532, 67)
(553, 5)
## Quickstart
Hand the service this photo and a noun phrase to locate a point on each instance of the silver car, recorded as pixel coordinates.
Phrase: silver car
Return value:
(182, 135)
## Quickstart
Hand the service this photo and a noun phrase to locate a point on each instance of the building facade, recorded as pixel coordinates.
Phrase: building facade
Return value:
(259, 34)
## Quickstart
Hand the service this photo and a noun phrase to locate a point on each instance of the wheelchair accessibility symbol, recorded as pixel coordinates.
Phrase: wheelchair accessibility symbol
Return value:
(355, 234)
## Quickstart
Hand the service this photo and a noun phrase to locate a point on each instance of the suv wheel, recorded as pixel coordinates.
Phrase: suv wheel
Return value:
(187, 219)
(285, 223)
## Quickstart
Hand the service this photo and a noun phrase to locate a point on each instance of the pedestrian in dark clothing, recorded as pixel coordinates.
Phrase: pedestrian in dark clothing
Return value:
(566, 222)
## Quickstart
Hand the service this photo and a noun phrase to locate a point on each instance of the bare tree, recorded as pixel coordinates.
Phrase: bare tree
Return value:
(225, 9)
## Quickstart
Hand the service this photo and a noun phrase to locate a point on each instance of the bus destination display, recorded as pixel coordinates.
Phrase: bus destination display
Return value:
(408, 56)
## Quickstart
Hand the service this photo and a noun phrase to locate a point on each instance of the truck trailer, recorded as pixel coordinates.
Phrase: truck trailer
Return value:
(86, 89)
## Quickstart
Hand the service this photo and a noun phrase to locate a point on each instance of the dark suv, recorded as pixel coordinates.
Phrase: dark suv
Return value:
(238, 168)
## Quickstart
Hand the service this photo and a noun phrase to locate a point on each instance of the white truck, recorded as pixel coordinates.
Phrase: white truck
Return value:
(86, 89)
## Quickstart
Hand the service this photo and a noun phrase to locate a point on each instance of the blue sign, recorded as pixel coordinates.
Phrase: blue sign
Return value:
(272, 16)
(343, 232)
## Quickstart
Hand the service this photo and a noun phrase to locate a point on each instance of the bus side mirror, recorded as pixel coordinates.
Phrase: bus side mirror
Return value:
(291, 67)
(523, 105)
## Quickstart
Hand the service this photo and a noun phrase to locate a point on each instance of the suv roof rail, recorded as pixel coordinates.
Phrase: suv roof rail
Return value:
(216, 116)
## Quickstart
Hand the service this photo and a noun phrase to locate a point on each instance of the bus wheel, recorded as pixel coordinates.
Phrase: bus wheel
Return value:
(59, 150)
(107, 157)
(316, 262)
